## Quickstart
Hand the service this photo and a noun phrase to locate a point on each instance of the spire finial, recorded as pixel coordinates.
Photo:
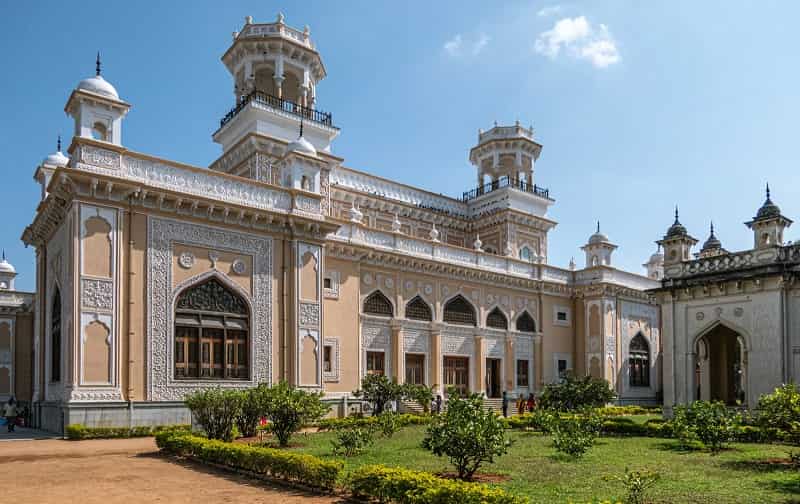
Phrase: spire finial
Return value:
(712, 228)
(598, 226)
(58, 144)
(97, 64)
(4, 254)
(676, 214)
(767, 190)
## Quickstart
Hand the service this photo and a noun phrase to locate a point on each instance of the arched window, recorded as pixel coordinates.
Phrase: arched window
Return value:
(595, 261)
(459, 311)
(496, 319)
(525, 254)
(55, 338)
(99, 131)
(418, 309)
(378, 304)
(525, 323)
(639, 362)
(212, 330)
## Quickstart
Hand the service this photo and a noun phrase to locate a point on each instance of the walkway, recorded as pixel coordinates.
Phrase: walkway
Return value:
(124, 471)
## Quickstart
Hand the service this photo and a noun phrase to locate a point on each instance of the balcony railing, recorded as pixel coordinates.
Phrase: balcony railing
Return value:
(506, 182)
(274, 102)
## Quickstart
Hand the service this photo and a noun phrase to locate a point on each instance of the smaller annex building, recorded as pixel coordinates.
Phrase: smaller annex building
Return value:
(730, 320)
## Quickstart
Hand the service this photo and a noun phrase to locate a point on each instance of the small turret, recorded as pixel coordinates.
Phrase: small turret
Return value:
(768, 224)
(677, 243)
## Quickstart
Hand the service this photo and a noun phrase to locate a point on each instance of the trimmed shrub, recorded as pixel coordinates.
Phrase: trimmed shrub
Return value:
(216, 411)
(253, 410)
(404, 486)
(629, 410)
(77, 432)
(280, 464)
(467, 434)
(387, 424)
(573, 394)
(289, 409)
(711, 423)
(403, 420)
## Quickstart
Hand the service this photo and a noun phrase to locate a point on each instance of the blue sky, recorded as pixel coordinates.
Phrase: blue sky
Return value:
(639, 105)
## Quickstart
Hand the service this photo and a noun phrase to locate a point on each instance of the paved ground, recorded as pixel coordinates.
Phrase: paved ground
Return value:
(124, 471)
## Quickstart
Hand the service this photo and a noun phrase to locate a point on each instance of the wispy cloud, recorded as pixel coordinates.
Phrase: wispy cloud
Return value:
(458, 46)
(549, 11)
(577, 38)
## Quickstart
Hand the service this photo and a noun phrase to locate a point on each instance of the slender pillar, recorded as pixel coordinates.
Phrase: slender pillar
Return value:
(480, 366)
(511, 363)
(538, 359)
(436, 375)
(398, 355)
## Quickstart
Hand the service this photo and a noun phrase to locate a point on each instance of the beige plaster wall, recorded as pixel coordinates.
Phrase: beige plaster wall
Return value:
(341, 320)
(203, 263)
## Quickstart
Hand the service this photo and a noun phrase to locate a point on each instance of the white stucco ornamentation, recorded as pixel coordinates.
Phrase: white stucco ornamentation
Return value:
(163, 234)
(239, 267)
(186, 260)
(97, 294)
(309, 315)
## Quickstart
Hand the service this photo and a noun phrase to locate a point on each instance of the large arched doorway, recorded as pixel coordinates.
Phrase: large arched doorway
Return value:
(720, 367)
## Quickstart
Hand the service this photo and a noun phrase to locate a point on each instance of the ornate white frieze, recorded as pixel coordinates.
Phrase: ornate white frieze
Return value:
(453, 344)
(375, 337)
(416, 340)
(97, 156)
(97, 294)
(309, 315)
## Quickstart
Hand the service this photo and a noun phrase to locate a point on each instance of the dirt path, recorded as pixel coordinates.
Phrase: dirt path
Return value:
(124, 470)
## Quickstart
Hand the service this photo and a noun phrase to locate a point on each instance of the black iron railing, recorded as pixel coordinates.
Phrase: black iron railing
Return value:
(288, 106)
(506, 182)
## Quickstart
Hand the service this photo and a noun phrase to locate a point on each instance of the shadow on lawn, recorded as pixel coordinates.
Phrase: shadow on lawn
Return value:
(790, 486)
(762, 465)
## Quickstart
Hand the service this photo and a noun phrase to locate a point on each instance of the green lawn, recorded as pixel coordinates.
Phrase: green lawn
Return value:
(535, 471)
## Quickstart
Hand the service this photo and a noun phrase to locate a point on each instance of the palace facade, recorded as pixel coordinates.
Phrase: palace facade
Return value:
(279, 262)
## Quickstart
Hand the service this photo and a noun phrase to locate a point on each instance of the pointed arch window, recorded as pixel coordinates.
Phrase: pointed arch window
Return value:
(525, 323)
(639, 362)
(496, 319)
(459, 311)
(378, 304)
(526, 254)
(212, 333)
(55, 337)
(418, 309)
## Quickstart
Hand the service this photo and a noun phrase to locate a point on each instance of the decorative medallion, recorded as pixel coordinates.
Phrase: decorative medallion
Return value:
(186, 260)
(389, 283)
(239, 267)
(445, 291)
(718, 311)
(428, 289)
(367, 279)
(700, 315)
(490, 298)
(738, 311)
(409, 285)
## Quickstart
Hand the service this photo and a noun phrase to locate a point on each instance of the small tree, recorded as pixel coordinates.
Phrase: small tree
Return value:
(352, 438)
(574, 435)
(576, 393)
(421, 394)
(288, 409)
(636, 484)
(780, 409)
(711, 423)
(378, 390)
(253, 409)
(216, 411)
(467, 434)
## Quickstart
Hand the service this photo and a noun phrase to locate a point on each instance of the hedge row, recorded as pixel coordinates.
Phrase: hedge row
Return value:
(663, 429)
(293, 467)
(77, 432)
(404, 486)
(403, 420)
(629, 410)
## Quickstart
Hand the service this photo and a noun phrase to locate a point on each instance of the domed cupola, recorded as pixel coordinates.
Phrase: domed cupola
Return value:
(677, 243)
(712, 246)
(57, 158)
(7, 274)
(768, 224)
(97, 109)
(598, 249)
(302, 145)
(655, 265)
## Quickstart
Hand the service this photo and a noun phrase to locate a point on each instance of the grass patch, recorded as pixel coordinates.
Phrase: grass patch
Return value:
(533, 471)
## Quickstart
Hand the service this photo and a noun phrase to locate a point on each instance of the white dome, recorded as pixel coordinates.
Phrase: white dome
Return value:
(657, 257)
(598, 237)
(6, 267)
(99, 85)
(302, 145)
(56, 159)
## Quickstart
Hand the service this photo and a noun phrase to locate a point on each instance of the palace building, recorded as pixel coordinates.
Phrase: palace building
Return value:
(730, 320)
(280, 262)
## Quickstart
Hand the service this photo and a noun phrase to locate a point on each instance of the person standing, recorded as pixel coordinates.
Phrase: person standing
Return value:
(521, 404)
(438, 404)
(506, 400)
(531, 403)
(10, 412)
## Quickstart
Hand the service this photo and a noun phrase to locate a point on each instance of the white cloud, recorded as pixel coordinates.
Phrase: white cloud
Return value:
(549, 11)
(480, 43)
(459, 46)
(579, 39)
(453, 46)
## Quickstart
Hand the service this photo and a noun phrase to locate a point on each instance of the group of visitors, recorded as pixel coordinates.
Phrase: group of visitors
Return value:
(436, 405)
(522, 404)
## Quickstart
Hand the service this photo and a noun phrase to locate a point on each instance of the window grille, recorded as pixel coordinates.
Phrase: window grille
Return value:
(418, 309)
(459, 311)
(377, 304)
(525, 323)
(496, 319)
